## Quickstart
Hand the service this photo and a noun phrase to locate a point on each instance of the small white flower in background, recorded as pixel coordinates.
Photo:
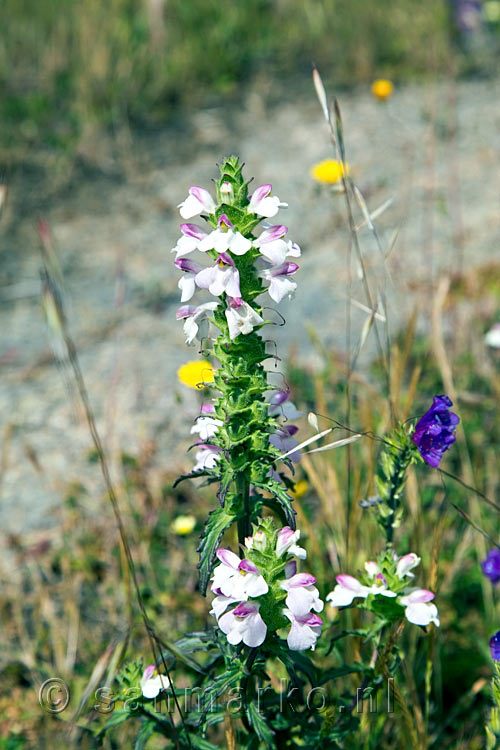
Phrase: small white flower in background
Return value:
(263, 203)
(152, 683)
(418, 610)
(192, 315)
(244, 623)
(199, 200)
(286, 542)
(221, 277)
(349, 588)
(237, 578)
(224, 238)
(192, 235)
(492, 338)
(241, 318)
(304, 632)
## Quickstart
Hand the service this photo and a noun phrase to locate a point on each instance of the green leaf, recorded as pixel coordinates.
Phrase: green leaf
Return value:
(217, 522)
(282, 502)
(258, 722)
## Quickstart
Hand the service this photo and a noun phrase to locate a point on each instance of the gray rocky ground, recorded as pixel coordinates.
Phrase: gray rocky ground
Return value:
(435, 150)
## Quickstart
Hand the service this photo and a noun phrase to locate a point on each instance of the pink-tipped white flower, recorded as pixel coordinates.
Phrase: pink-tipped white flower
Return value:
(199, 200)
(206, 427)
(244, 623)
(241, 318)
(224, 238)
(237, 578)
(417, 608)
(187, 283)
(192, 235)
(221, 603)
(221, 277)
(263, 203)
(304, 632)
(152, 683)
(286, 543)
(302, 594)
(206, 457)
(349, 588)
(192, 316)
(406, 564)
(273, 247)
(279, 284)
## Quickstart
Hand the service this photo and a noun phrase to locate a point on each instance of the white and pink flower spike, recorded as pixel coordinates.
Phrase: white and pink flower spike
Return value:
(224, 239)
(417, 608)
(273, 247)
(244, 623)
(199, 200)
(304, 632)
(263, 203)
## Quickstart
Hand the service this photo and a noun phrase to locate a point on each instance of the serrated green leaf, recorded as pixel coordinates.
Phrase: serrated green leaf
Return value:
(259, 724)
(217, 522)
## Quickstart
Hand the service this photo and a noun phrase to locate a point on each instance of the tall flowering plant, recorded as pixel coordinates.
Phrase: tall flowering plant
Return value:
(237, 261)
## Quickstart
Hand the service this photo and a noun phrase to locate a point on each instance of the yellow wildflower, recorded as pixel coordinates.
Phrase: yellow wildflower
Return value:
(382, 89)
(300, 488)
(196, 374)
(183, 525)
(329, 171)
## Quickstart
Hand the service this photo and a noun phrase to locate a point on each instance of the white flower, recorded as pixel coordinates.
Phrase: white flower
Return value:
(191, 316)
(273, 247)
(349, 588)
(302, 596)
(187, 283)
(492, 338)
(406, 563)
(224, 238)
(263, 203)
(304, 632)
(221, 603)
(241, 318)
(286, 542)
(244, 623)
(279, 285)
(192, 235)
(206, 427)
(197, 201)
(152, 683)
(417, 609)
(220, 278)
(206, 457)
(237, 578)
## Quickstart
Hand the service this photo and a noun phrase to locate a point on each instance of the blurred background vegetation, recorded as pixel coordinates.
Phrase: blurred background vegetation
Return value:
(68, 67)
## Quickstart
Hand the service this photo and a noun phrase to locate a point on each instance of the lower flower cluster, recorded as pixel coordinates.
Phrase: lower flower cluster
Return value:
(388, 578)
(267, 590)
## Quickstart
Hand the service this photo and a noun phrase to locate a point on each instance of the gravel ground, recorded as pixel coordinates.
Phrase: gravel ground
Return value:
(433, 150)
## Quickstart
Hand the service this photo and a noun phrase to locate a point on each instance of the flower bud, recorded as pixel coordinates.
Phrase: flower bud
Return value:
(226, 192)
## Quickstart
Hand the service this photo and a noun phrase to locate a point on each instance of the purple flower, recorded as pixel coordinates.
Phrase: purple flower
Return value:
(495, 646)
(491, 566)
(435, 431)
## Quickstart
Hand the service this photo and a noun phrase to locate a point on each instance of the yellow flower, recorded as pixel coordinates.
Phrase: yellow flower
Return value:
(196, 374)
(382, 89)
(300, 488)
(183, 525)
(329, 171)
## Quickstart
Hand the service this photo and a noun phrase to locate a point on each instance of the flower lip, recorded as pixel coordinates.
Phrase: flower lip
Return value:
(245, 609)
(225, 259)
(224, 222)
(248, 567)
(275, 232)
(186, 264)
(193, 230)
(228, 558)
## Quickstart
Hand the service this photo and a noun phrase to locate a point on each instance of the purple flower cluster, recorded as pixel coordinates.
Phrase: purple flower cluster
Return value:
(491, 565)
(435, 431)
